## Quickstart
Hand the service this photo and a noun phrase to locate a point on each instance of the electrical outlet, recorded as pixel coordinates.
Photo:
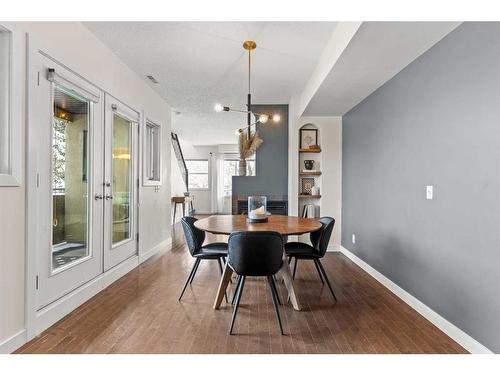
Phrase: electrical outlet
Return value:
(353, 238)
(429, 192)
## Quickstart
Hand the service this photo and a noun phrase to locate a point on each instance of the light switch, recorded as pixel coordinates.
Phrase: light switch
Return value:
(429, 192)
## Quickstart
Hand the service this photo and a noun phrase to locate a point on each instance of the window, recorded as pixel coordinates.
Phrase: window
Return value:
(5, 39)
(230, 169)
(198, 174)
(152, 155)
(11, 76)
(70, 214)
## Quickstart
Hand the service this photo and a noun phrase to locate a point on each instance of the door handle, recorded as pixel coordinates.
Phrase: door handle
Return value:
(108, 197)
(98, 196)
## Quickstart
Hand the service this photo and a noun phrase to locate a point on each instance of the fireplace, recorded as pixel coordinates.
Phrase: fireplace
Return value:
(276, 205)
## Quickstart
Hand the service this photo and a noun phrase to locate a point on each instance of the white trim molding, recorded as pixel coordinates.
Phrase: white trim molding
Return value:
(333, 247)
(16, 113)
(158, 249)
(148, 152)
(455, 333)
(57, 310)
(13, 342)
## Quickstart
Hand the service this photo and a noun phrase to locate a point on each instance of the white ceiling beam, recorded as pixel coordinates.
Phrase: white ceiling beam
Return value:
(377, 52)
(339, 40)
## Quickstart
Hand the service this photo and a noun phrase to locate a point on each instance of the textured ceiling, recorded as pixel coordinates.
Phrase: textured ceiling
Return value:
(198, 64)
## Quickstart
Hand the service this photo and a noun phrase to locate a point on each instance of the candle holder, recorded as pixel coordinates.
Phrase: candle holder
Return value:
(257, 209)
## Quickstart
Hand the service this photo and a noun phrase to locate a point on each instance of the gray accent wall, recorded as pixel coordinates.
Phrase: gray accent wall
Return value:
(271, 160)
(436, 123)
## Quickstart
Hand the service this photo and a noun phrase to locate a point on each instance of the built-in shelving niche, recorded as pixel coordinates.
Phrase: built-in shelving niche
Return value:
(314, 174)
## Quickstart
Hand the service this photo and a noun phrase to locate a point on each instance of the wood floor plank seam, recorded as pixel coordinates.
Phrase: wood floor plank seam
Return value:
(139, 313)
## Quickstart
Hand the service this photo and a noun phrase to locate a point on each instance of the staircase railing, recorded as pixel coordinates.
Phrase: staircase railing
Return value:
(180, 160)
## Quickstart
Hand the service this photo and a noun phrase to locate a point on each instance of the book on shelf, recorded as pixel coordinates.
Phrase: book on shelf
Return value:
(308, 211)
(309, 171)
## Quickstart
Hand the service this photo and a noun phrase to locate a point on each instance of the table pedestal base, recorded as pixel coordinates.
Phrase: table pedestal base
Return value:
(284, 272)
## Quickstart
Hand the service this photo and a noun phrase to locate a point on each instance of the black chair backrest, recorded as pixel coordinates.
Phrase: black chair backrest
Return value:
(255, 253)
(321, 237)
(194, 236)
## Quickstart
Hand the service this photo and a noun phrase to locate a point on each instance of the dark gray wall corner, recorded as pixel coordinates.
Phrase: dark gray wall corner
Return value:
(436, 123)
(271, 161)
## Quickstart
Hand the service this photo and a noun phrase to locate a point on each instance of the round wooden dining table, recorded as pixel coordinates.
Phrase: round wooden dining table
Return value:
(285, 225)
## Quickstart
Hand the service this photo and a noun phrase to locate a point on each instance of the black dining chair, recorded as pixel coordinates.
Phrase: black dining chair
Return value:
(255, 254)
(194, 239)
(316, 251)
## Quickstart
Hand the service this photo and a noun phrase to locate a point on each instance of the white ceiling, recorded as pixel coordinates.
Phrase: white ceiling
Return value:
(198, 64)
(376, 53)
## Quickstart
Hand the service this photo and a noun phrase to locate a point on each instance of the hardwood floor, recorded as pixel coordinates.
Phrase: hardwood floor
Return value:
(140, 314)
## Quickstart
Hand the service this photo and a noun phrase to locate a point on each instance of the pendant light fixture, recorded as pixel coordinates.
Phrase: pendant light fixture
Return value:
(262, 118)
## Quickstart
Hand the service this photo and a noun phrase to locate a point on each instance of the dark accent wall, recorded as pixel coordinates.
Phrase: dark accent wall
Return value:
(271, 161)
(436, 123)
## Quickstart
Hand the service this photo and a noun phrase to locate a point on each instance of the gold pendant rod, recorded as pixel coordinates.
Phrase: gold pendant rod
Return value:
(249, 45)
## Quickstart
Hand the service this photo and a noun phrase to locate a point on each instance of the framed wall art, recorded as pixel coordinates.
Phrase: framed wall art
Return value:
(308, 137)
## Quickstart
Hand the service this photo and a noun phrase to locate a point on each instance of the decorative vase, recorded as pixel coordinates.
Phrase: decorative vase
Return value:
(257, 209)
(308, 164)
(242, 167)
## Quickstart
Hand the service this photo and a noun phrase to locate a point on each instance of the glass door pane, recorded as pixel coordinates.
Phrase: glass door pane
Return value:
(70, 185)
(122, 179)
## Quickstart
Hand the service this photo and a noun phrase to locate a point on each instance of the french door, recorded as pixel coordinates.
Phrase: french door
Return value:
(86, 199)
(120, 186)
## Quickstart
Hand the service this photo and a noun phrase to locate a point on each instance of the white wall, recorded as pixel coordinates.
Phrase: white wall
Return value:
(330, 134)
(77, 48)
(12, 253)
(203, 199)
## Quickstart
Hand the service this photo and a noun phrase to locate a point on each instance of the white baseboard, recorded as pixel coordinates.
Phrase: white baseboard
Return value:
(13, 342)
(57, 310)
(160, 248)
(63, 306)
(455, 333)
(334, 247)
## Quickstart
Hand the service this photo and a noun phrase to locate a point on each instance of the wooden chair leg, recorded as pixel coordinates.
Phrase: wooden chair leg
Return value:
(195, 266)
(326, 279)
(295, 268)
(274, 294)
(239, 292)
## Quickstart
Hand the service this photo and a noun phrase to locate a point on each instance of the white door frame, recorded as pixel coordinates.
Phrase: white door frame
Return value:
(54, 284)
(117, 253)
(38, 321)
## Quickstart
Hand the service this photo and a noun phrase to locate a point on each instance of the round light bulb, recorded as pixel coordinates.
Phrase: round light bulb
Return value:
(276, 118)
(218, 107)
(263, 118)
